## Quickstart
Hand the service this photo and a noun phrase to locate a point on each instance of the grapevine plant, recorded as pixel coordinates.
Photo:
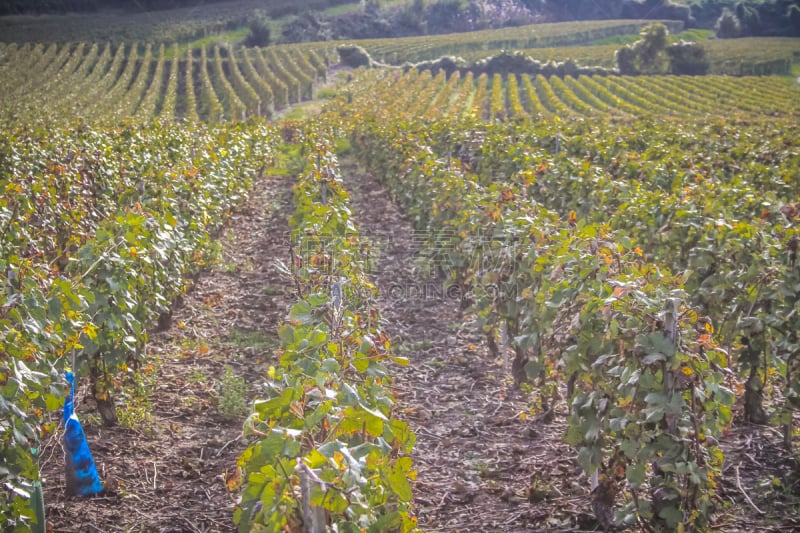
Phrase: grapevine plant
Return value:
(328, 449)
(99, 230)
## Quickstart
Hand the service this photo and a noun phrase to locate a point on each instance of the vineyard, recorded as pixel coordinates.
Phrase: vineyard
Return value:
(99, 82)
(499, 97)
(612, 249)
(178, 25)
(443, 300)
(396, 51)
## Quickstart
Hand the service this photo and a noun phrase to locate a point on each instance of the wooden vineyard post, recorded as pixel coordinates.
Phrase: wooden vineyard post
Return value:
(792, 401)
(671, 333)
(323, 181)
(558, 140)
(313, 517)
(792, 371)
(664, 495)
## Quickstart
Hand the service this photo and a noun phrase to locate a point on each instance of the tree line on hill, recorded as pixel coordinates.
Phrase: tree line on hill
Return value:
(749, 18)
(753, 17)
(420, 17)
(275, 8)
(8, 7)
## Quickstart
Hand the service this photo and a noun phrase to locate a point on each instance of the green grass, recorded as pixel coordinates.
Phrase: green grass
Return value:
(352, 8)
(231, 37)
(411, 347)
(301, 111)
(327, 94)
(289, 160)
(616, 39)
(257, 340)
(224, 38)
(695, 34)
(343, 146)
(688, 35)
(342, 9)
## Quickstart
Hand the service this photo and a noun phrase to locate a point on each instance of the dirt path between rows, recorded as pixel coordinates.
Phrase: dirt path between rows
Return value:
(167, 469)
(481, 467)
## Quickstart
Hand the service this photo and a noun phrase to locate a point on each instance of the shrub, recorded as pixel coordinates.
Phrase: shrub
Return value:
(259, 31)
(793, 15)
(232, 395)
(626, 60)
(749, 19)
(728, 25)
(647, 55)
(651, 49)
(687, 58)
(447, 63)
(354, 56)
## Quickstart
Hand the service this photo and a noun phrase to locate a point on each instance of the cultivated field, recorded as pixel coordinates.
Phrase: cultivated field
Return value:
(428, 301)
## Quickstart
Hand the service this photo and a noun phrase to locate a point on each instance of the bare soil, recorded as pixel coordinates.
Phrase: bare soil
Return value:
(483, 464)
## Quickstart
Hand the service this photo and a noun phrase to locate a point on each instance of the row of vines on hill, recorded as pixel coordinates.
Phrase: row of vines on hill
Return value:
(98, 233)
(497, 97)
(649, 267)
(427, 47)
(328, 450)
(93, 81)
